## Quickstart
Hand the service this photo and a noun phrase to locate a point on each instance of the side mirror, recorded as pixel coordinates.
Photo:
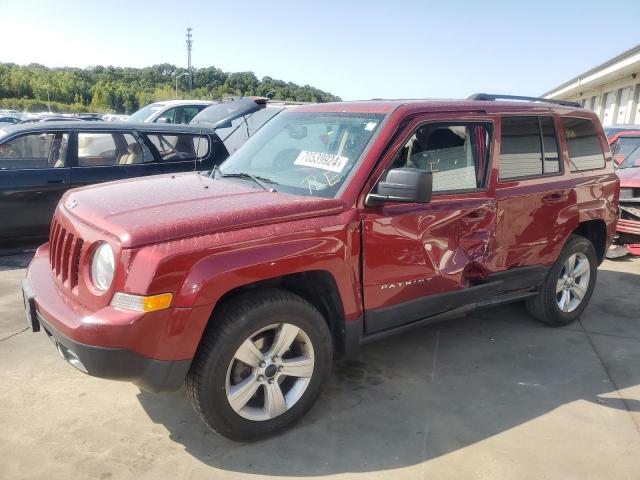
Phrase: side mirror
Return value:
(163, 120)
(408, 185)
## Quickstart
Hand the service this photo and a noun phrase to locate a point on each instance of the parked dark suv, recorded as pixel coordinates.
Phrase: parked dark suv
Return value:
(333, 226)
(41, 161)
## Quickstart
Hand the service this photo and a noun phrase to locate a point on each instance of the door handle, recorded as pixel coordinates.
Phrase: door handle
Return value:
(54, 181)
(474, 216)
(553, 198)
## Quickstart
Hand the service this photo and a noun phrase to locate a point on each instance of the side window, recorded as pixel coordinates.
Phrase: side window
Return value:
(96, 149)
(528, 147)
(456, 154)
(583, 144)
(179, 147)
(167, 117)
(36, 150)
(185, 114)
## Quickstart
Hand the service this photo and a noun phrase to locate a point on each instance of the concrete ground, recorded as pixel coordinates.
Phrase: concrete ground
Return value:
(490, 396)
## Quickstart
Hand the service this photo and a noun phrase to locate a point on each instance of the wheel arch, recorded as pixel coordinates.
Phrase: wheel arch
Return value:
(318, 287)
(596, 232)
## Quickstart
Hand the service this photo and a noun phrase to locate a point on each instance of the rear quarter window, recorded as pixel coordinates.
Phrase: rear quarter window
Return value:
(583, 144)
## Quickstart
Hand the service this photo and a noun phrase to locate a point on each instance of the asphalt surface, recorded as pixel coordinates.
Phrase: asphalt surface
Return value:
(490, 396)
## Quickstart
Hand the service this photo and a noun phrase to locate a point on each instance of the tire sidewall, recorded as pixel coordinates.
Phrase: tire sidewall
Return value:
(221, 415)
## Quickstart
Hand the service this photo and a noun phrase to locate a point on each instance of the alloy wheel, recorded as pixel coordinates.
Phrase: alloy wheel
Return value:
(270, 372)
(573, 282)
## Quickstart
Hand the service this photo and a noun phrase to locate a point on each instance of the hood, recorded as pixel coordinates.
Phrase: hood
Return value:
(629, 177)
(167, 207)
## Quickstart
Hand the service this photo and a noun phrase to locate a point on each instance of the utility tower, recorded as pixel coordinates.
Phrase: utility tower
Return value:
(189, 46)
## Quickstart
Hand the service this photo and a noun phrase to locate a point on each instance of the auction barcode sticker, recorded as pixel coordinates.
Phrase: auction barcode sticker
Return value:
(325, 161)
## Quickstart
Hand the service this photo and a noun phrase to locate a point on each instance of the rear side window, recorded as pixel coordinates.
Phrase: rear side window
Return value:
(583, 144)
(529, 147)
(174, 148)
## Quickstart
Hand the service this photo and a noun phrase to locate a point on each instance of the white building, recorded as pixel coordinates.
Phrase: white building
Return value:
(610, 89)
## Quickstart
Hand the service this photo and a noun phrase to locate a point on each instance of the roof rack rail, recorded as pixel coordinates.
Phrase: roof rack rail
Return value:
(489, 97)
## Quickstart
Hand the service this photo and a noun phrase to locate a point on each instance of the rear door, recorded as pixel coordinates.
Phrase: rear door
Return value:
(33, 176)
(423, 259)
(532, 192)
(181, 152)
(102, 156)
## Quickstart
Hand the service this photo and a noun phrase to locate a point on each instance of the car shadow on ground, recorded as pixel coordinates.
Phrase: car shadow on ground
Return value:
(438, 389)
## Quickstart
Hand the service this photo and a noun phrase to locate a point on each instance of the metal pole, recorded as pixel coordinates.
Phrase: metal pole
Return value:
(189, 45)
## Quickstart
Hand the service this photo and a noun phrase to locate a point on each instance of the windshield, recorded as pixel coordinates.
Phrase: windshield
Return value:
(226, 111)
(305, 153)
(144, 113)
(631, 160)
(625, 145)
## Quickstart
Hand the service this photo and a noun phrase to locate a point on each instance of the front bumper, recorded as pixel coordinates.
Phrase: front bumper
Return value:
(119, 364)
(153, 350)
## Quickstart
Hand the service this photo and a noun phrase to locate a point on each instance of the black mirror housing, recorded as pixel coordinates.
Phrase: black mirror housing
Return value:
(408, 185)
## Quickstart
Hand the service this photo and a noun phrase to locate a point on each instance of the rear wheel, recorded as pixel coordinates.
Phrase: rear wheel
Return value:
(567, 290)
(263, 365)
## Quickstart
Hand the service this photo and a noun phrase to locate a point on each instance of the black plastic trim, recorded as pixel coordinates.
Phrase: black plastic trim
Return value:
(120, 364)
(423, 307)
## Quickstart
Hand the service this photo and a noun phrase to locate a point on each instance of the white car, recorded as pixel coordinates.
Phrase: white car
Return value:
(170, 111)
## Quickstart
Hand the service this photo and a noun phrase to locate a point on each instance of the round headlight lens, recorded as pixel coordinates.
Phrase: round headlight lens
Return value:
(102, 267)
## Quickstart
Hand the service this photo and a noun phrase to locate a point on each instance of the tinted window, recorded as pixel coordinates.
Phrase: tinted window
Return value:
(36, 150)
(583, 144)
(457, 155)
(179, 147)
(528, 147)
(108, 149)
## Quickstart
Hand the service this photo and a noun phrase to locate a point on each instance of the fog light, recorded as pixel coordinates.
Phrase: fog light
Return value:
(141, 303)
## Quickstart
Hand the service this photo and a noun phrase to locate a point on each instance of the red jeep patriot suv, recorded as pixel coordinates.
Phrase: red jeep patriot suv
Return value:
(335, 225)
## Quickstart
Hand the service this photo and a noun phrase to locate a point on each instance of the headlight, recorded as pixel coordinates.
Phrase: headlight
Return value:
(102, 267)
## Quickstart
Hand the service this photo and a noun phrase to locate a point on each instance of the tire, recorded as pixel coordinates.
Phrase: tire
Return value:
(267, 319)
(551, 306)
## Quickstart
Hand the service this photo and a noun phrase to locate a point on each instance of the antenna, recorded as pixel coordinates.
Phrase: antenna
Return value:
(189, 47)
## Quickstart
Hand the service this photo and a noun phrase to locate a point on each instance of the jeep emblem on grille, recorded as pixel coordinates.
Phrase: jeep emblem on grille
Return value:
(71, 204)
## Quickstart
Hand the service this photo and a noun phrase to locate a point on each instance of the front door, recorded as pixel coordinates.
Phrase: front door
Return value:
(33, 176)
(423, 259)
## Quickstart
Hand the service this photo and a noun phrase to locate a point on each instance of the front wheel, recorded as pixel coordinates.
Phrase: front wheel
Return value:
(566, 292)
(262, 366)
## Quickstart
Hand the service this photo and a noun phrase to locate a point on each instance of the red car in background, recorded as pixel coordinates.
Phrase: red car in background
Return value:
(622, 141)
(628, 229)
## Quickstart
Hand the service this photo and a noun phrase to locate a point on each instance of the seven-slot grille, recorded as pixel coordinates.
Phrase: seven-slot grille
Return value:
(64, 254)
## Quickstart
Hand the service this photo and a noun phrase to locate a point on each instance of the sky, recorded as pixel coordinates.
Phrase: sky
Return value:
(355, 49)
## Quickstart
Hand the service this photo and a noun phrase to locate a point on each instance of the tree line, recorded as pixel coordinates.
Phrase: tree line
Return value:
(125, 90)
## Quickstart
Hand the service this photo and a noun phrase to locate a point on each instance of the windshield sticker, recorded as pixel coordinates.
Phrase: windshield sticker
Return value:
(324, 161)
(370, 126)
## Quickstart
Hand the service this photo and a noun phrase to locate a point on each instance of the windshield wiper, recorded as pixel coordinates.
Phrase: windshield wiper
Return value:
(262, 181)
